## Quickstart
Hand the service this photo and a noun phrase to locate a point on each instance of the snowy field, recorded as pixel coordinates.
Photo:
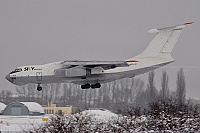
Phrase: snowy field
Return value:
(19, 123)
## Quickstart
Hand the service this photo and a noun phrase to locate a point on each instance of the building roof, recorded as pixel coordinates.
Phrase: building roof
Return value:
(33, 106)
(2, 106)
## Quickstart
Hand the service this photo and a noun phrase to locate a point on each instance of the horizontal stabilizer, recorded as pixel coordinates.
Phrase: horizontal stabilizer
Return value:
(177, 27)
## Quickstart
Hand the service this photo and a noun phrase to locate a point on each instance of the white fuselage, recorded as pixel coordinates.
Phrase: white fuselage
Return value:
(42, 74)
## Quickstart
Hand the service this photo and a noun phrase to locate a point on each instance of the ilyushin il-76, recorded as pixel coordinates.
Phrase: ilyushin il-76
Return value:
(91, 74)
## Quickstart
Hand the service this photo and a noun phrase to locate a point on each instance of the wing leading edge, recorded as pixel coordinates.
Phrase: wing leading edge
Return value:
(92, 64)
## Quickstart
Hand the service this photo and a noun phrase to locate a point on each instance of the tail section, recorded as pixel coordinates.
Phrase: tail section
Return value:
(163, 43)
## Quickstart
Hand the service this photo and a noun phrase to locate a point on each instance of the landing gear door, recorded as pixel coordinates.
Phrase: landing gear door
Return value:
(39, 76)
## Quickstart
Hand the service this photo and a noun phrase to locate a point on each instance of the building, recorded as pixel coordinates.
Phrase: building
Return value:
(23, 108)
(53, 109)
(2, 107)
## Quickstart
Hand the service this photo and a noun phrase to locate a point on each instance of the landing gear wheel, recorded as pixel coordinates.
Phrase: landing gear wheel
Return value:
(82, 86)
(97, 85)
(39, 88)
(86, 86)
(93, 86)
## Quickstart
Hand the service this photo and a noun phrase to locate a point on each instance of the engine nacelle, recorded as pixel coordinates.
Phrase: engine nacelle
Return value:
(74, 72)
(60, 72)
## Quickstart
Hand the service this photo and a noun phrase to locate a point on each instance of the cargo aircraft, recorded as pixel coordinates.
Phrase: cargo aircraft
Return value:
(91, 74)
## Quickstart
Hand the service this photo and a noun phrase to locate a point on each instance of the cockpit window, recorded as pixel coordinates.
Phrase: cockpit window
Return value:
(16, 70)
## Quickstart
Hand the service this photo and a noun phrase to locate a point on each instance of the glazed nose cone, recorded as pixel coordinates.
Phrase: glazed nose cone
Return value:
(8, 77)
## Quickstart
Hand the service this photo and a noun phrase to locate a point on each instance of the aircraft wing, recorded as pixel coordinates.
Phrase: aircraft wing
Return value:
(92, 64)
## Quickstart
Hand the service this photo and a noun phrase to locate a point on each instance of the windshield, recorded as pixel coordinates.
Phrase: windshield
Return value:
(16, 70)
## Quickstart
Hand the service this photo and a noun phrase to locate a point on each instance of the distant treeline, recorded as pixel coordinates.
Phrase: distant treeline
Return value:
(113, 96)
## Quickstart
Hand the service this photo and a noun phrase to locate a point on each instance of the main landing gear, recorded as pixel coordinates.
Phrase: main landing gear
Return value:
(39, 88)
(93, 86)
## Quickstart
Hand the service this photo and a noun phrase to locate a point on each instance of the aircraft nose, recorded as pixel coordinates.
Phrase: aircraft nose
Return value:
(8, 77)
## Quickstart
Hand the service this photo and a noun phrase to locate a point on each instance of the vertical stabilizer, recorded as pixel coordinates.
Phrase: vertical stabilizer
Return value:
(163, 43)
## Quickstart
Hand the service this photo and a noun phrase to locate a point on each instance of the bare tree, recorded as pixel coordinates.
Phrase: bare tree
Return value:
(126, 91)
(115, 92)
(137, 87)
(76, 95)
(164, 92)
(8, 95)
(172, 95)
(180, 90)
(80, 104)
(100, 93)
(31, 91)
(94, 97)
(151, 89)
(65, 87)
(57, 90)
(21, 90)
(139, 94)
(106, 101)
(46, 92)
(89, 98)
(52, 92)
(3, 95)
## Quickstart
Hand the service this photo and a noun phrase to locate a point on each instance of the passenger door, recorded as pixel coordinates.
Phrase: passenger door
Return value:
(39, 76)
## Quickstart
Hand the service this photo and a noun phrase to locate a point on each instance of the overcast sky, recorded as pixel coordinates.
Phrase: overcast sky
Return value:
(39, 32)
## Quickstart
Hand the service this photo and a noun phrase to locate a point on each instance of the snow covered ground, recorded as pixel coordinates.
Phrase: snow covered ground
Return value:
(101, 120)
(26, 123)
(101, 115)
(19, 123)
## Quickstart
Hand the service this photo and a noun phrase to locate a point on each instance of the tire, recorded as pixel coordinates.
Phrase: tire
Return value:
(39, 88)
(83, 87)
(93, 86)
(87, 86)
(97, 85)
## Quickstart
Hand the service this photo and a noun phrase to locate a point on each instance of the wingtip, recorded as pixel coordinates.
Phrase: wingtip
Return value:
(153, 31)
(132, 61)
(188, 23)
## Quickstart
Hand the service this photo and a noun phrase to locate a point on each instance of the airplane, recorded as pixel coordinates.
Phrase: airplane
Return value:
(91, 74)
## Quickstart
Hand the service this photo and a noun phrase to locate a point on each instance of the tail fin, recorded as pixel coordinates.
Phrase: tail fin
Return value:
(163, 43)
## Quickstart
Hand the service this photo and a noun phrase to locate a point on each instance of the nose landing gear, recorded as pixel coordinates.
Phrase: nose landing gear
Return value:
(39, 88)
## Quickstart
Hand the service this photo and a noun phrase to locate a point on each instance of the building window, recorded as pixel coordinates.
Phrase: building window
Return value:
(59, 112)
(52, 111)
(47, 112)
